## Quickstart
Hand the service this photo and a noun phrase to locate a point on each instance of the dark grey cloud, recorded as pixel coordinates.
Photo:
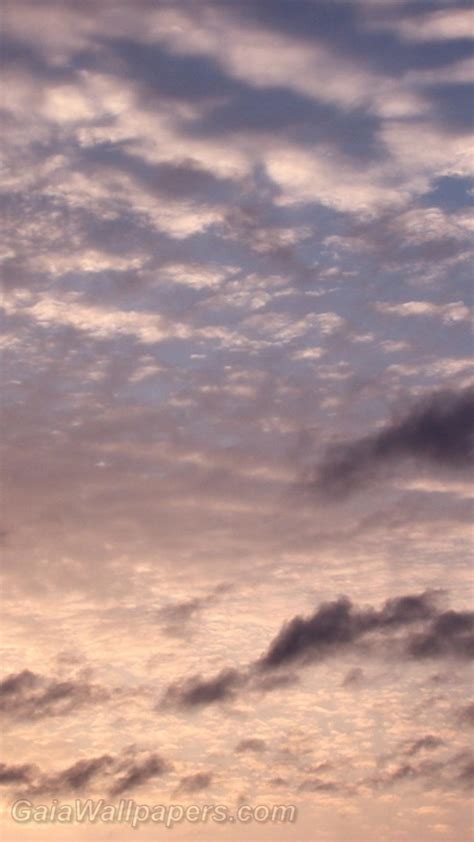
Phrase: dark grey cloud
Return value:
(337, 625)
(438, 430)
(319, 785)
(451, 634)
(28, 695)
(454, 772)
(138, 772)
(402, 773)
(177, 617)
(354, 678)
(18, 683)
(251, 744)
(32, 780)
(15, 774)
(117, 773)
(197, 691)
(176, 614)
(465, 715)
(278, 781)
(269, 683)
(428, 743)
(75, 778)
(411, 627)
(195, 783)
(465, 773)
(82, 772)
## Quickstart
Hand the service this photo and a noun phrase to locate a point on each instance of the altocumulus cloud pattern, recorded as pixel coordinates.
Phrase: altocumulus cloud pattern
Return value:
(238, 414)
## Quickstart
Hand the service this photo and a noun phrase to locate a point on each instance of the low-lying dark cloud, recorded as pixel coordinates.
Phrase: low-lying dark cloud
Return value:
(451, 634)
(138, 772)
(454, 772)
(251, 744)
(354, 678)
(15, 774)
(465, 715)
(197, 691)
(439, 429)
(177, 617)
(269, 683)
(428, 743)
(465, 773)
(115, 773)
(337, 625)
(195, 783)
(413, 626)
(28, 695)
(75, 778)
(318, 785)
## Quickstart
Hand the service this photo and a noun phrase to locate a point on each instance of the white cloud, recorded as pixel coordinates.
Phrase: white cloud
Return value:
(323, 176)
(438, 26)
(196, 275)
(98, 321)
(89, 260)
(309, 354)
(455, 311)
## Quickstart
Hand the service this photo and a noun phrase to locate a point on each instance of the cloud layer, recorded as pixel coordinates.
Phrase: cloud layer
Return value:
(238, 384)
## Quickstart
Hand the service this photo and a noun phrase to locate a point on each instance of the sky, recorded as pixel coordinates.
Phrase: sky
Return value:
(237, 414)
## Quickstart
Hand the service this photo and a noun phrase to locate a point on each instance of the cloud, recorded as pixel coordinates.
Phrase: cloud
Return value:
(119, 773)
(451, 634)
(465, 715)
(454, 772)
(15, 774)
(334, 629)
(196, 691)
(354, 678)
(206, 201)
(99, 322)
(179, 613)
(76, 778)
(438, 25)
(455, 311)
(439, 430)
(269, 683)
(178, 617)
(28, 695)
(319, 785)
(465, 774)
(335, 626)
(195, 783)
(251, 744)
(278, 781)
(428, 743)
(138, 772)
